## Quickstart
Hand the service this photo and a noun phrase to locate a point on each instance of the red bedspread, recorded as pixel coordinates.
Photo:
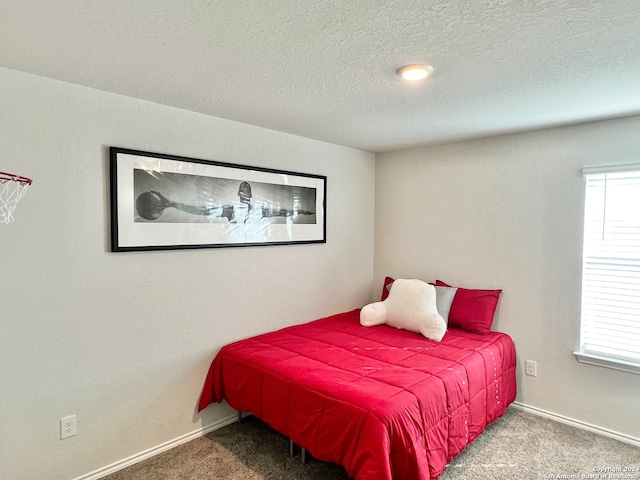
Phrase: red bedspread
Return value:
(384, 403)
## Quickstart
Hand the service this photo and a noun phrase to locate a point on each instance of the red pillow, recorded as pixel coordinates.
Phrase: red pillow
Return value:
(385, 288)
(473, 310)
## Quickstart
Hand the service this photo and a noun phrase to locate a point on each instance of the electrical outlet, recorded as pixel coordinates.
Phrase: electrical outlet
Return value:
(531, 368)
(67, 427)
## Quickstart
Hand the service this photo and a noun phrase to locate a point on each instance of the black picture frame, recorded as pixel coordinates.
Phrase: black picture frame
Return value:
(163, 202)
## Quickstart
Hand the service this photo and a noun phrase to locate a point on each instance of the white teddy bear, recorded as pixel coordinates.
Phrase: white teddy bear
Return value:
(411, 305)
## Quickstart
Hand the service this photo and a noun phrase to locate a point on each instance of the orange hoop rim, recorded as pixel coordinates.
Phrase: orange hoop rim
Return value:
(10, 177)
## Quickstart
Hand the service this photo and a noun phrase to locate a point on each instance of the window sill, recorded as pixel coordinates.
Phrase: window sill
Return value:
(608, 362)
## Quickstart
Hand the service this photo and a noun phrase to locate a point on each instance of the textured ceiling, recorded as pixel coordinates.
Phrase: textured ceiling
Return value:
(325, 69)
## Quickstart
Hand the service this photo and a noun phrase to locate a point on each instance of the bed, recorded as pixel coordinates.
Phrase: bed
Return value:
(382, 402)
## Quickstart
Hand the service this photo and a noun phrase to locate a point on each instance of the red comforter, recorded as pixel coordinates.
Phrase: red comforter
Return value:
(384, 403)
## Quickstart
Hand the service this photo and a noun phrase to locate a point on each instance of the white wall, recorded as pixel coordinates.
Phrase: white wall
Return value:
(506, 212)
(124, 340)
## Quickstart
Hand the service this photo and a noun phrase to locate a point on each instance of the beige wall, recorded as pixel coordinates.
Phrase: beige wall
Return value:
(506, 212)
(124, 340)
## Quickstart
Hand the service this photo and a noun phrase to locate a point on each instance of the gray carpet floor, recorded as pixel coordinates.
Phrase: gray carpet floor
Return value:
(517, 446)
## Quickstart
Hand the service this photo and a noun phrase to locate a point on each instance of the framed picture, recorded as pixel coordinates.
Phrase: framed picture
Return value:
(162, 202)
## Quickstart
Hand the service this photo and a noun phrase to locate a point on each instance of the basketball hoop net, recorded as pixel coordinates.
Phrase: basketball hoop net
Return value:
(12, 189)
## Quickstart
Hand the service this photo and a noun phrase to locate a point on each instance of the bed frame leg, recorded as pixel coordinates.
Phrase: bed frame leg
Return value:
(292, 452)
(240, 416)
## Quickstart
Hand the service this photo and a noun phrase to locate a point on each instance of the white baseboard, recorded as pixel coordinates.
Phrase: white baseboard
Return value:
(139, 457)
(578, 424)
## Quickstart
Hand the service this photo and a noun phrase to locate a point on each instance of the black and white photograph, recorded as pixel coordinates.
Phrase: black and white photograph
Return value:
(161, 201)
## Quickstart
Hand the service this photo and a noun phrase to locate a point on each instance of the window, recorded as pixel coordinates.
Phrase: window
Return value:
(610, 324)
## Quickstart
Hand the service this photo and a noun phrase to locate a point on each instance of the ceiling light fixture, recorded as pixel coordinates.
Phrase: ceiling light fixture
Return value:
(415, 72)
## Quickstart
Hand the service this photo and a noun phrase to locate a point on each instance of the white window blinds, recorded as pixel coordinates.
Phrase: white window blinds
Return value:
(610, 325)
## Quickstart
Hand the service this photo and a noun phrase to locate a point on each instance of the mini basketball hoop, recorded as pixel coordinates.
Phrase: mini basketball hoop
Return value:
(12, 189)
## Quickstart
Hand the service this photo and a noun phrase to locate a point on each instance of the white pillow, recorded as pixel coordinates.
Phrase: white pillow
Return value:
(411, 305)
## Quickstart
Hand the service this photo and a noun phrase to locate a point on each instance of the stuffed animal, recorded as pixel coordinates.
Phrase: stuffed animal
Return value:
(411, 305)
